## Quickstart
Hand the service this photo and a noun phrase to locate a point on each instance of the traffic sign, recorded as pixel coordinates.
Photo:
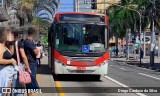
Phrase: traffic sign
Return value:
(85, 48)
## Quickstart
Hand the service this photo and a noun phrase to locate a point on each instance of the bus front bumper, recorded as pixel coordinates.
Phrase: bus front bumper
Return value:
(100, 69)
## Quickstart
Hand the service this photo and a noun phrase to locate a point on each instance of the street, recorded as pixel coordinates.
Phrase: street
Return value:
(117, 39)
(120, 76)
(134, 76)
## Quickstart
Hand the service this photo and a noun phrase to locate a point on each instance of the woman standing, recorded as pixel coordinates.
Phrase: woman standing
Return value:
(7, 63)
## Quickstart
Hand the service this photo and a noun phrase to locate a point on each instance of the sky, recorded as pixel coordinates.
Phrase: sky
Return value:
(66, 6)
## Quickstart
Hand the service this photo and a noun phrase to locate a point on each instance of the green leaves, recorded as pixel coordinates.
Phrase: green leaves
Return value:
(126, 15)
(41, 25)
(121, 17)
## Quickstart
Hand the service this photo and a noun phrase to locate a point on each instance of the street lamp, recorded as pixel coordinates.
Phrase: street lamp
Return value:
(140, 31)
(140, 28)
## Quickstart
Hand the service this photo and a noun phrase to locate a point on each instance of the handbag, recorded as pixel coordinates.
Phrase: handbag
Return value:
(23, 76)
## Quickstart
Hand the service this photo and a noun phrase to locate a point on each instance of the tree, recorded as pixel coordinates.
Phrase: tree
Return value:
(148, 14)
(122, 19)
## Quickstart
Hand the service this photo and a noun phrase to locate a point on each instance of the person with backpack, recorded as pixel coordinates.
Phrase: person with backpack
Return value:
(31, 53)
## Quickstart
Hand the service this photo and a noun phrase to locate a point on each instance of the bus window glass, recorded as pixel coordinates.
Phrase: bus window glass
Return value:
(95, 37)
(71, 37)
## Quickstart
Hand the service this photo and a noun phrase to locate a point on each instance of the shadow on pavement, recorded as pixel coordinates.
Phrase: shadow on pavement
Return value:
(44, 69)
(147, 65)
(76, 77)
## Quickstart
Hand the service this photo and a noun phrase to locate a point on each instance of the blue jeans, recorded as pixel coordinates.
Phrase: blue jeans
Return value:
(18, 86)
(34, 83)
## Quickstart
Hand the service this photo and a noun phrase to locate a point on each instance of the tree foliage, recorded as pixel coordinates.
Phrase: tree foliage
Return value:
(121, 17)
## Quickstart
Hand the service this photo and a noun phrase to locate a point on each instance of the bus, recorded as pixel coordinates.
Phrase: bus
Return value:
(78, 44)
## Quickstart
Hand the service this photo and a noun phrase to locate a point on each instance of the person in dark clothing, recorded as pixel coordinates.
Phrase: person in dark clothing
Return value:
(137, 52)
(22, 40)
(23, 61)
(23, 57)
(31, 52)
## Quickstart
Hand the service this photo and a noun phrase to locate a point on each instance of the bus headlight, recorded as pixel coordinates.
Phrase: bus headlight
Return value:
(103, 63)
(59, 62)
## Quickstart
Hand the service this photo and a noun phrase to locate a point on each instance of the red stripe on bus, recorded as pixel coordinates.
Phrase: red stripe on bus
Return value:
(81, 63)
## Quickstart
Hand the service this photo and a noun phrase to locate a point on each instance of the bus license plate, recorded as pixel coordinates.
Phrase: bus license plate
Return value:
(81, 68)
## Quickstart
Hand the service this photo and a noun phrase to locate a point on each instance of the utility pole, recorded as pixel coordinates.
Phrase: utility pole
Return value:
(76, 6)
(127, 47)
(104, 7)
(152, 36)
(140, 31)
(2, 3)
(144, 43)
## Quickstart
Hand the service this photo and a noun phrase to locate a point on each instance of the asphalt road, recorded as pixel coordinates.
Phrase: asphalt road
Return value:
(119, 75)
(133, 76)
(84, 86)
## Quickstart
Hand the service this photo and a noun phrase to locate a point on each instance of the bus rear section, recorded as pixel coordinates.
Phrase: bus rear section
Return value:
(79, 44)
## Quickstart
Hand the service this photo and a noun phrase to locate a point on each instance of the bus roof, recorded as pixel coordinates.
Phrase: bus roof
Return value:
(92, 13)
(89, 13)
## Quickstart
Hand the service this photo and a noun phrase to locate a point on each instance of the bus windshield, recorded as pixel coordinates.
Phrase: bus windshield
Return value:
(80, 37)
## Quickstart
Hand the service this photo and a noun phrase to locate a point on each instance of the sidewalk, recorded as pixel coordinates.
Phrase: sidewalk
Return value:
(144, 61)
(45, 77)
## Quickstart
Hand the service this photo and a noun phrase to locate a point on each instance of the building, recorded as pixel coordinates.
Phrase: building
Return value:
(102, 5)
(85, 5)
(82, 6)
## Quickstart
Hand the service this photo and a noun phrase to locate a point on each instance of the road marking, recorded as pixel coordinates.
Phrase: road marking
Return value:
(59, 88)
(149, 76)
(123, 69)
(121, 84)
(120, 68)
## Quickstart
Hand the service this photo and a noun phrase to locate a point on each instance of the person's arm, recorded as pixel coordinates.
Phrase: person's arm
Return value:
(25, 60)
(33, 47)
(35, 51)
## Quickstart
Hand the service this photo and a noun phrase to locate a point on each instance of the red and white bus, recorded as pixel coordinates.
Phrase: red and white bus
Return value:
(78, 44)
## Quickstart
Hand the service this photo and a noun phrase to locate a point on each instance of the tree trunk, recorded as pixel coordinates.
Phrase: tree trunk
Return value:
(127, 49)
(159, 39)
(159, 44)
(123, 46)
(116, 39)
(144, 43)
